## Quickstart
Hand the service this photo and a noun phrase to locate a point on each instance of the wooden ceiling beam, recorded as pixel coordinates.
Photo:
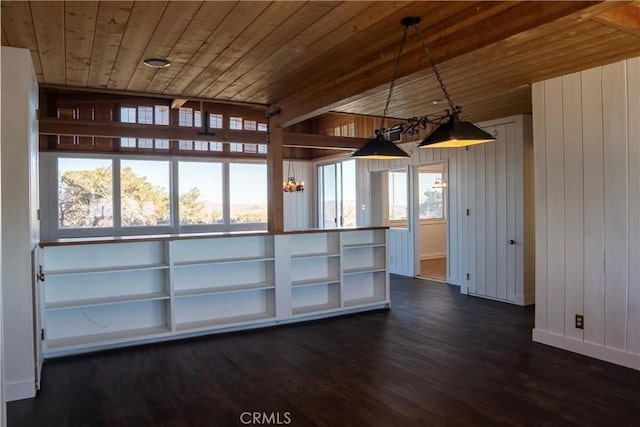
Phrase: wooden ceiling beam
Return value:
(177, 103)
(53, 126)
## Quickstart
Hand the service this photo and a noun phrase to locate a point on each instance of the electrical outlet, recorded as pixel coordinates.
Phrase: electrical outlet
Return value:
(579, 321)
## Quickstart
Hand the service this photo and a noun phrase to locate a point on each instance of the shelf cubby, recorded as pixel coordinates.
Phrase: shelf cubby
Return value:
(313, 299)
(224, 309)
(364, 288)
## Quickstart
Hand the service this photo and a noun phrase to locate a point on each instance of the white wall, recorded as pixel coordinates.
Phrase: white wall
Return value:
(587, 180)
(489, 180)
(19, 229)
(433, 239)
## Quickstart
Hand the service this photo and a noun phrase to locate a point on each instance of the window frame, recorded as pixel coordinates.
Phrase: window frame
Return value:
(403, 224)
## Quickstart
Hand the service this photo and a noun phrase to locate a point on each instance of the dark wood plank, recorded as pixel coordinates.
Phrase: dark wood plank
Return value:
(436, 358)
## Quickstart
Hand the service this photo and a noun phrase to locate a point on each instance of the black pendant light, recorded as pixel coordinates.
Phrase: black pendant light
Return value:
(455, 133)
(451, 131)
(379, 147)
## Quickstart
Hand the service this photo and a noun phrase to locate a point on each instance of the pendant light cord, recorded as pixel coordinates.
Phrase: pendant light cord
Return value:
(434, 69)
(393, 79)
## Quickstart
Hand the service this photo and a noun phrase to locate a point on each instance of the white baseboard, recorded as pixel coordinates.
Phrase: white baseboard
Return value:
(611, 355)
(526, 299)
(20, 390)
(401, 272)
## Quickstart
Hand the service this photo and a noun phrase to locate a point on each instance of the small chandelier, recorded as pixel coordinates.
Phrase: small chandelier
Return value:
(291, 185)
(439, 183)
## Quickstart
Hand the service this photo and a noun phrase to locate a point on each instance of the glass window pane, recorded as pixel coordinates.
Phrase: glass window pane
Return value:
(329, 200)
(128, 142)
(397, 195)
(215, 121)
(197, 121)
(431, 199)
(85, 196)
(144, 190)
(349, 193)
(185, 116)
(162, 144)
(200, 197)
(145, 143)
(162, 114)
(128, 114)
(248, 193)
(262, 127)
(235, 123)
(145, 115)
(234, 147)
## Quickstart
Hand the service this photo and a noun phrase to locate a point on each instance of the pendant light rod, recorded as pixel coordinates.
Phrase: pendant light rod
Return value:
(434, 68)
(395, 75)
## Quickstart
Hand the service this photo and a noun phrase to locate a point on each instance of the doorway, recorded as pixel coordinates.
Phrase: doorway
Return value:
(430, 221)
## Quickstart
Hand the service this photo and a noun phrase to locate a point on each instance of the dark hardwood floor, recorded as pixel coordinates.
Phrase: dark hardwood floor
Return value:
(436, 358)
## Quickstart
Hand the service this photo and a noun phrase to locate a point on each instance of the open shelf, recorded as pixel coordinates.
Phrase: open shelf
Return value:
(223, 289)
(224, 321)
(101, 270)
(364, 245)
(314, 255)
(362, 270)
(88, 302)
(106, 338)
(314, 282)
(222, 261)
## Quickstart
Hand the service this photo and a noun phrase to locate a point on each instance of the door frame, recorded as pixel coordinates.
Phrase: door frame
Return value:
(415, 222)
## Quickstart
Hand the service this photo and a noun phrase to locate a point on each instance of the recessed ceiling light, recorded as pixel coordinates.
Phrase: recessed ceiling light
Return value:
(156, 62)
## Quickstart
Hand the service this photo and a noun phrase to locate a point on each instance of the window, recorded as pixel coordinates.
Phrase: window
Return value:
(398, 197)
(234, 147)
(235, 122)
(250, 125)
(247, 193)
(144, 143)
(215, 121)
(262, 148)
(128, 114)
(85, 193)
(431, 196)
(100, 196)
(262, 127)
(162, 115)
(145, 115)
(197, 120)
(200, 198)
(144, 186)
(128, 142)
(337, 194)
(185, 116)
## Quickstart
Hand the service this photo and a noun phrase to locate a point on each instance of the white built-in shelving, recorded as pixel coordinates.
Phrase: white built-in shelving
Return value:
(100, 295)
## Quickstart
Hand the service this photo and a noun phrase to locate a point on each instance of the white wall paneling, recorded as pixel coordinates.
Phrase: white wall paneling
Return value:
(587, 162)
(19, 220)
(494, 182)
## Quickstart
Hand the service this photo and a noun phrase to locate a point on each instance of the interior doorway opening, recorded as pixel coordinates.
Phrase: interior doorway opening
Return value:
(430, 221)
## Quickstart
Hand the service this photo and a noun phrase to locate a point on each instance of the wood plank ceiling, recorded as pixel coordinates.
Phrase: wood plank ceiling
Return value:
(319, 56)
